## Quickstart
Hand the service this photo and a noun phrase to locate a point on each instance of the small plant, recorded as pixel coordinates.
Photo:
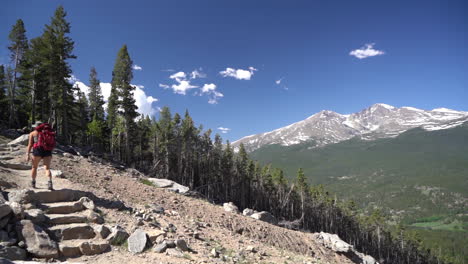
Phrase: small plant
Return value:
(147, 182)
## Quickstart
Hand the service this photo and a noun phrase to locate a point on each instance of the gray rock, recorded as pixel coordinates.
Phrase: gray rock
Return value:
(4, 221)
(38, 242)
(160, 248)
(21, 196)
(87, 203)
(5, 209)
(137, 241)
(170, 243)
(73, 231)
(94, 248)
(154, 234)
(102, 230)
(248, 212)
(10, 242)
(118, 235)
(15, 166)
(17, 209)
(4, 236)
(174, 253)
(182, 245)
(230, 207)
(157, 209)
(12, 253)
(94, 217)
(37, 216)
(266, 217)
(56, 173)
(333, 242)
(21, 140)
(170, 185)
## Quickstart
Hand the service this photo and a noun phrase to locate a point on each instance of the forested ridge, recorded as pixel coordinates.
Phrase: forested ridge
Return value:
(35, 86)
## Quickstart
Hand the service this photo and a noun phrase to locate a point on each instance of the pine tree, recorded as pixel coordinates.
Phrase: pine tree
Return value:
(96, 100)
(3, 98)
(18, 46)
(121, 102)
(60, 47)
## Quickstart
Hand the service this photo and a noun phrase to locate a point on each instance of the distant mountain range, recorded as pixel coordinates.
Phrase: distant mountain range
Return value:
(378, 121)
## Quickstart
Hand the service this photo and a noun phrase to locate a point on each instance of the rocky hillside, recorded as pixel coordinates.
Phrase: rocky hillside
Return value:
(103, 213)
(377, 121)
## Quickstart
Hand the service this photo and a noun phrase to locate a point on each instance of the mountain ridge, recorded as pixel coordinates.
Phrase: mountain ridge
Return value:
(377, 121)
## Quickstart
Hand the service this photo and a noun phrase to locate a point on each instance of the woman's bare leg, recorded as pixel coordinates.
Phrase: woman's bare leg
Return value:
(35, 164)
(47, 161)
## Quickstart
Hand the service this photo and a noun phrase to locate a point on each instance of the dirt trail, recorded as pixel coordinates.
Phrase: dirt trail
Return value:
(119, 195)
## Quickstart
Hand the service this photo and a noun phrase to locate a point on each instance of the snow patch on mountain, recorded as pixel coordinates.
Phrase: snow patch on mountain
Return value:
(376, 121)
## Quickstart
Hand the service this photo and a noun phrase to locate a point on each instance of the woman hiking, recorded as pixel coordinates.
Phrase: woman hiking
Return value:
(42, 141)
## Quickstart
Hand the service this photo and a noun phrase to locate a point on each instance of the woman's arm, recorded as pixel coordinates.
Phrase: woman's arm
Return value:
(30, 145)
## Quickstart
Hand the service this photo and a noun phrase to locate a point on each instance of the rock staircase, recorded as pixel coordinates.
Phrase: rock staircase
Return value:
(69, 219)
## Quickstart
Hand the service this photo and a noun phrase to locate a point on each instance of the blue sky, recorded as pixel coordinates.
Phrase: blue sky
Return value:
(242, 48)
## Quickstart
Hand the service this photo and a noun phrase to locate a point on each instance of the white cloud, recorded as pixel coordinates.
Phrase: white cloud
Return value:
(165, 86)
(142, 101)
(239, 74)
(197, 74)
(210, 89)
(136, 67)
(224, 130)
(182, 87)
(278, 82)
(179, 76)
(366, 51)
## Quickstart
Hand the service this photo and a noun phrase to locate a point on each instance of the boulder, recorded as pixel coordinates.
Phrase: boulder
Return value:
(17, 209)
(94, 217)
(87, 203)
(154, 234)
(333, 242)
(137, 241)
(37, 241)
(56, 173)
(266, 217)
(5, 209)
(160, 248)
(170, 185)
(182, 245)
(21, 140)
(4, 221)
(94, 248)
(102, 230)
(118, 235)
(15, 166)
(73, 231)
(37, 216)
(21, 196)
(12, 253)
(230, 207)
(248, 212)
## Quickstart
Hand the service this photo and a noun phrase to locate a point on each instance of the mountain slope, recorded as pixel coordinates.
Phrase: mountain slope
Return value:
(377, 121)
(418, 173)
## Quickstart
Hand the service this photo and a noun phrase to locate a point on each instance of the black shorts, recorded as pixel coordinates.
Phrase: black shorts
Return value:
(41, 152)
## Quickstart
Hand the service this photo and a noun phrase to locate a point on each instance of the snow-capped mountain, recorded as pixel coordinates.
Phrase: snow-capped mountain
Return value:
(377, 121)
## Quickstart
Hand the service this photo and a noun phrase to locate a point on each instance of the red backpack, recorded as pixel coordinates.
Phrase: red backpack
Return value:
(46, 138)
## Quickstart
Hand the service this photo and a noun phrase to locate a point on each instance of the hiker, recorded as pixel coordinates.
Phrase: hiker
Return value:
(42, 141)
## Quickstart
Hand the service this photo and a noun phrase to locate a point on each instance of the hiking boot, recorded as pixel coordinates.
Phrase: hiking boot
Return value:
(33, 184)
(49, 186)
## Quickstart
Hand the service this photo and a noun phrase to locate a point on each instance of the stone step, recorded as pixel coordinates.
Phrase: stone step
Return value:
(62, 207)
(61, 219)
(6, 158)
(79, 247)
(73, 231)
(63, 195)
